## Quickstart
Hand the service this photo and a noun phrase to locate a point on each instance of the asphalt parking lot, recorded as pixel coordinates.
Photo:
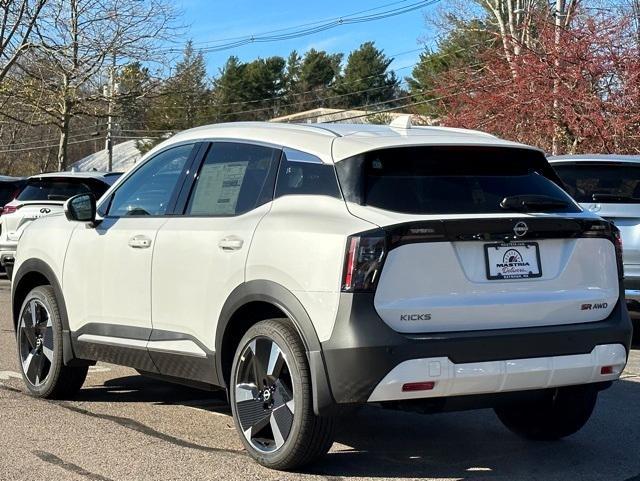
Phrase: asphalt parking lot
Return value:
(126, 427)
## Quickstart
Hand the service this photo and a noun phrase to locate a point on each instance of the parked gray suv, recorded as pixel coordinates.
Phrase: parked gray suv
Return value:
(609, 185)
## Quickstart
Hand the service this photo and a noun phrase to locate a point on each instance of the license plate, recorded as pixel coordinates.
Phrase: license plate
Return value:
(515, 260)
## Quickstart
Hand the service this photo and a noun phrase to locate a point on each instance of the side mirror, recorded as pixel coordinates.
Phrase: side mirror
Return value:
(81, 208)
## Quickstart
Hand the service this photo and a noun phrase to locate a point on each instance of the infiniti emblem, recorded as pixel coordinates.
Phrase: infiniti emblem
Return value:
(520, 229)
(45, 210)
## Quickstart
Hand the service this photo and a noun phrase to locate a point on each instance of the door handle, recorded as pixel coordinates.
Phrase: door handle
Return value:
(231, 243)
(140, 242)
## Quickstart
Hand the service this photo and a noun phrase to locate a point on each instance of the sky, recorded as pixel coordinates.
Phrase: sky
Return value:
(208, 21)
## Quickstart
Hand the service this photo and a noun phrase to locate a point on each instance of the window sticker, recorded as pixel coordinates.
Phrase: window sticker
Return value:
(218, 188)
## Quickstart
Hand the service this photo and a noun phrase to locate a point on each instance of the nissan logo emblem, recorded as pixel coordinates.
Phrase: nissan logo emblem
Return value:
(45, 210)
(520, 229)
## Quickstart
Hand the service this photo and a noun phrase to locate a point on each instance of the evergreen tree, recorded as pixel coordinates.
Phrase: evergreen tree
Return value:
(291, 87)
(133, 102)
(463, 46)
(366, 78)
(186, 95)
(318, 73)
(229, 91)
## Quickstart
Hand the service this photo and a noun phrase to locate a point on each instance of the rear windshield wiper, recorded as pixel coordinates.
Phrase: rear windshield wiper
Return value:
(57, 197)
(598, 197)
(532, 202)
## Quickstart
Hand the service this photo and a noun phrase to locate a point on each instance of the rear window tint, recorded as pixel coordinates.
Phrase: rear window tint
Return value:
(448, 180)
(304, 174)
(60, 189)
(9, 191)
(610, 182)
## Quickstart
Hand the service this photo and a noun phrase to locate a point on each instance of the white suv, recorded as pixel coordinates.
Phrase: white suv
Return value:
(310, 268)
(42, 195)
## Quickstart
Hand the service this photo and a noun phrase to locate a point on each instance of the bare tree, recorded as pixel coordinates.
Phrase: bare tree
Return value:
(17, 21)
(79, 41)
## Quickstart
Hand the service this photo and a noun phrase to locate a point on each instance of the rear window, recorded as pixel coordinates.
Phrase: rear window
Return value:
(449, 180)
(60, 189)
(9, 191)
(604, 183)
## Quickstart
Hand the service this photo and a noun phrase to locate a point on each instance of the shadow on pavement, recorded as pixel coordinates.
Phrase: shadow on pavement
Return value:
(467, 445)
(132, 389)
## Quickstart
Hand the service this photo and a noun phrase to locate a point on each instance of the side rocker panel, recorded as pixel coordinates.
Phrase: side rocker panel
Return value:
(285, 300)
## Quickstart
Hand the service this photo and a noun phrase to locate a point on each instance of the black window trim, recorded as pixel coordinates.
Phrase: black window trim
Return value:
(190, 182)
(196, 147)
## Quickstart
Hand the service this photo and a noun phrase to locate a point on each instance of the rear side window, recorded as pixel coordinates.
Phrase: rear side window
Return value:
(304, 174)
(449, 180)
(234, 178)
(51, 188)
(615, 183)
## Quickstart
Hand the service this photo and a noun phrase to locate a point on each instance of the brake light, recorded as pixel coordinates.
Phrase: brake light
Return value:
(617, 242)
(364, 257)
(9, 209)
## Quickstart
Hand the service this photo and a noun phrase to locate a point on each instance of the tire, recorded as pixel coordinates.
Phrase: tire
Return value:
(563, 412)
(272, 351)
(40, 348)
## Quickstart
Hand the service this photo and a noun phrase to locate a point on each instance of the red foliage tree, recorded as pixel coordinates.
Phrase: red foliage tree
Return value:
(581, 87)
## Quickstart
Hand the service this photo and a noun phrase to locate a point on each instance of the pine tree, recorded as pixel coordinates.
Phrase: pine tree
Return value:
(366, 78)
(187, 92)
(318, 73)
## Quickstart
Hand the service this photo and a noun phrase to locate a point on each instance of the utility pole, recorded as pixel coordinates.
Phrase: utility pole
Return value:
(111, 94)
(559, 14)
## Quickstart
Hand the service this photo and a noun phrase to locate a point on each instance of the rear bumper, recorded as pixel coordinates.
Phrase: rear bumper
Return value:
(439, 377)
(363, 350)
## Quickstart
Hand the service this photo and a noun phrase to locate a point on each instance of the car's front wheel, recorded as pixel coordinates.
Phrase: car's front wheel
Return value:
(561, 412)
(271, 398)
(39, 338)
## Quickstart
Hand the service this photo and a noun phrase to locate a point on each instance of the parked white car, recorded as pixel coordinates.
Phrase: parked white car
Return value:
(310, 268)
(43, 195)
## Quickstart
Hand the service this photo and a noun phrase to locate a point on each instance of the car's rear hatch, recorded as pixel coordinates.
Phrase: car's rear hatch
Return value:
(455, 260)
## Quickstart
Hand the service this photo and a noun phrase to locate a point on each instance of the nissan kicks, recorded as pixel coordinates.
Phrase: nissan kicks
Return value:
(307, 269)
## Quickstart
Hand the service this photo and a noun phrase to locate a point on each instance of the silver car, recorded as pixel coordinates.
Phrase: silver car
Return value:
(609, 185)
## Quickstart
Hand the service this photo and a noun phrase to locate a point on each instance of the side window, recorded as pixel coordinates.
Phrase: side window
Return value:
(234, 178)
(149, 189)
(304, 174)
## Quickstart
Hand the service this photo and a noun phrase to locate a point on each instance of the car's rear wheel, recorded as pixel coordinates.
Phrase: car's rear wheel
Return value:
(39, 338)
(562, 412)
(271, 398)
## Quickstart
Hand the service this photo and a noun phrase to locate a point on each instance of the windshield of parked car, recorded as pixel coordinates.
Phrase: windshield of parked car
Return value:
(605, 183)
(453, 180)
(60, 189)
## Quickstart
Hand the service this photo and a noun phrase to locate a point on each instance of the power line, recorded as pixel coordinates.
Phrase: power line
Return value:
(301, 31)
(317, 22)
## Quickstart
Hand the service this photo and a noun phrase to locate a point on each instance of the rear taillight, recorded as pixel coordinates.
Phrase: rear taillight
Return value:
(9, 209)
(363, 261)
(617, 242)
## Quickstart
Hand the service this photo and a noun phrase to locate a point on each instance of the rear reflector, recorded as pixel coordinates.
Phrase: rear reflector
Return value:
(418, 386)
(604, 370)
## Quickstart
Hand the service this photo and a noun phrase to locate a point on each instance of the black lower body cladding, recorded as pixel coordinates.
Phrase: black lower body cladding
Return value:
(363, 349)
